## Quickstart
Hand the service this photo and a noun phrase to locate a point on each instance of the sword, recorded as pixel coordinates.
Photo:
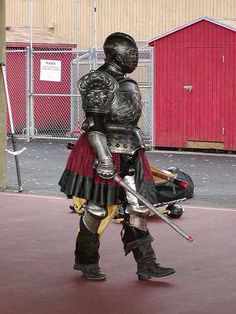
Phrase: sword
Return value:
(119, 180)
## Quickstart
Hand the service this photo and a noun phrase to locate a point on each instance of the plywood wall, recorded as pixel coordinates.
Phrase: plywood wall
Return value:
(143, 19)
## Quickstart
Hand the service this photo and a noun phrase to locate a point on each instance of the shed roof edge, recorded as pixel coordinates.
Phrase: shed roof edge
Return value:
(176, 29)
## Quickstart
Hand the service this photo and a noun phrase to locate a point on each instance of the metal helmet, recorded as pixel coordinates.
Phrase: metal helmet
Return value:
(121, 49)
(175, 210)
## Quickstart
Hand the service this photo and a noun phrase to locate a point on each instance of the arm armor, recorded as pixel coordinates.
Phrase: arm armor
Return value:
(97, 90)
(105, 166)
(94, 125)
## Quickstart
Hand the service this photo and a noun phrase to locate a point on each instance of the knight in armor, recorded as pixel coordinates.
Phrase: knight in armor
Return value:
(112, 143)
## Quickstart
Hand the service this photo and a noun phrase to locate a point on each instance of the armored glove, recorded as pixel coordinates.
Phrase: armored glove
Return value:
(104, 164)
(105, 168)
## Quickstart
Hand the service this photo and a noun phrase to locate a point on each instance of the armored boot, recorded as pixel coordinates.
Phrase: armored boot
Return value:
(139, 242)
(86, 253)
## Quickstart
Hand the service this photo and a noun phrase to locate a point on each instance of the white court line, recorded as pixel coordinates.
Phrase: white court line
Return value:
(210, 208)
(64, 198)
(33, 196)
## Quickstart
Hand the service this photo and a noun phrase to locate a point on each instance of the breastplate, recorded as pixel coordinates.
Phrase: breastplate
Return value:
(123, 135)
(126, 107)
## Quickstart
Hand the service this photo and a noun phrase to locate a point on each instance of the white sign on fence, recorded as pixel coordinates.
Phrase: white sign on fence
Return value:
(50, 70)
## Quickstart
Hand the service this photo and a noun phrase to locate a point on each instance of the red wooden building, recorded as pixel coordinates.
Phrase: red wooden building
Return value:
(194, 85)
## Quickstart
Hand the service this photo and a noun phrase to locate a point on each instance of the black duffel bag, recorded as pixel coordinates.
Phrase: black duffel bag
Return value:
(172, 190)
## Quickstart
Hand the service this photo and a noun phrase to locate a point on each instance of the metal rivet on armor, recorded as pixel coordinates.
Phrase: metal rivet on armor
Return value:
(125, 146)
(117, 145)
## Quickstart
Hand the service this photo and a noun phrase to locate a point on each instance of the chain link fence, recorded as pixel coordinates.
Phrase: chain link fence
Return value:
(44, 96)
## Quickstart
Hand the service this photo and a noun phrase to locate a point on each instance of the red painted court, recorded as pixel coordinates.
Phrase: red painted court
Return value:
(37, 242)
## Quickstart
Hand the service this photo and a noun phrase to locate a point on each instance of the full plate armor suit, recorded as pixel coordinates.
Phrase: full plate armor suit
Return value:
(112, 143)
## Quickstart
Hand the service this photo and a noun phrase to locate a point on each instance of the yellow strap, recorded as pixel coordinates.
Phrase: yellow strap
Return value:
(78, 203)
(112, 210)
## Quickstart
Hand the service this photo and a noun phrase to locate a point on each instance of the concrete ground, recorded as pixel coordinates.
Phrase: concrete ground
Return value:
(37, 242)
(38, 231)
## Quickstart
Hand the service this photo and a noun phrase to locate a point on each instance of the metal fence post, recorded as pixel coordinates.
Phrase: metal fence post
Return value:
(31, 94)
(93, 59)
(27, 96)
(31, 72)
(74, 110)
(77, 25)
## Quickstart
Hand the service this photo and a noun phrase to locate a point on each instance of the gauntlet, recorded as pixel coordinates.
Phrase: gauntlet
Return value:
(105, 166)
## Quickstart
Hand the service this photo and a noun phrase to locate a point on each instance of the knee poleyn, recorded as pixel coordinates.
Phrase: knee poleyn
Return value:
(93, 215)
(140, 211)
(97, 211)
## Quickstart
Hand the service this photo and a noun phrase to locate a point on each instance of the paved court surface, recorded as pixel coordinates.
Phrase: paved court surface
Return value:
(37, 242)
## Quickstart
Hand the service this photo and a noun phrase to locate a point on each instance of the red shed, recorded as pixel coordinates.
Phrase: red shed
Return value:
(194, 85)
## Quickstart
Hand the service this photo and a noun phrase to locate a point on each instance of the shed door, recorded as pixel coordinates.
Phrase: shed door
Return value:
(204, 90)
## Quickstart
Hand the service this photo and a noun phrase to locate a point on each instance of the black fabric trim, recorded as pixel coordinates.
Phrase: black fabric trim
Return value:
(73, 184)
